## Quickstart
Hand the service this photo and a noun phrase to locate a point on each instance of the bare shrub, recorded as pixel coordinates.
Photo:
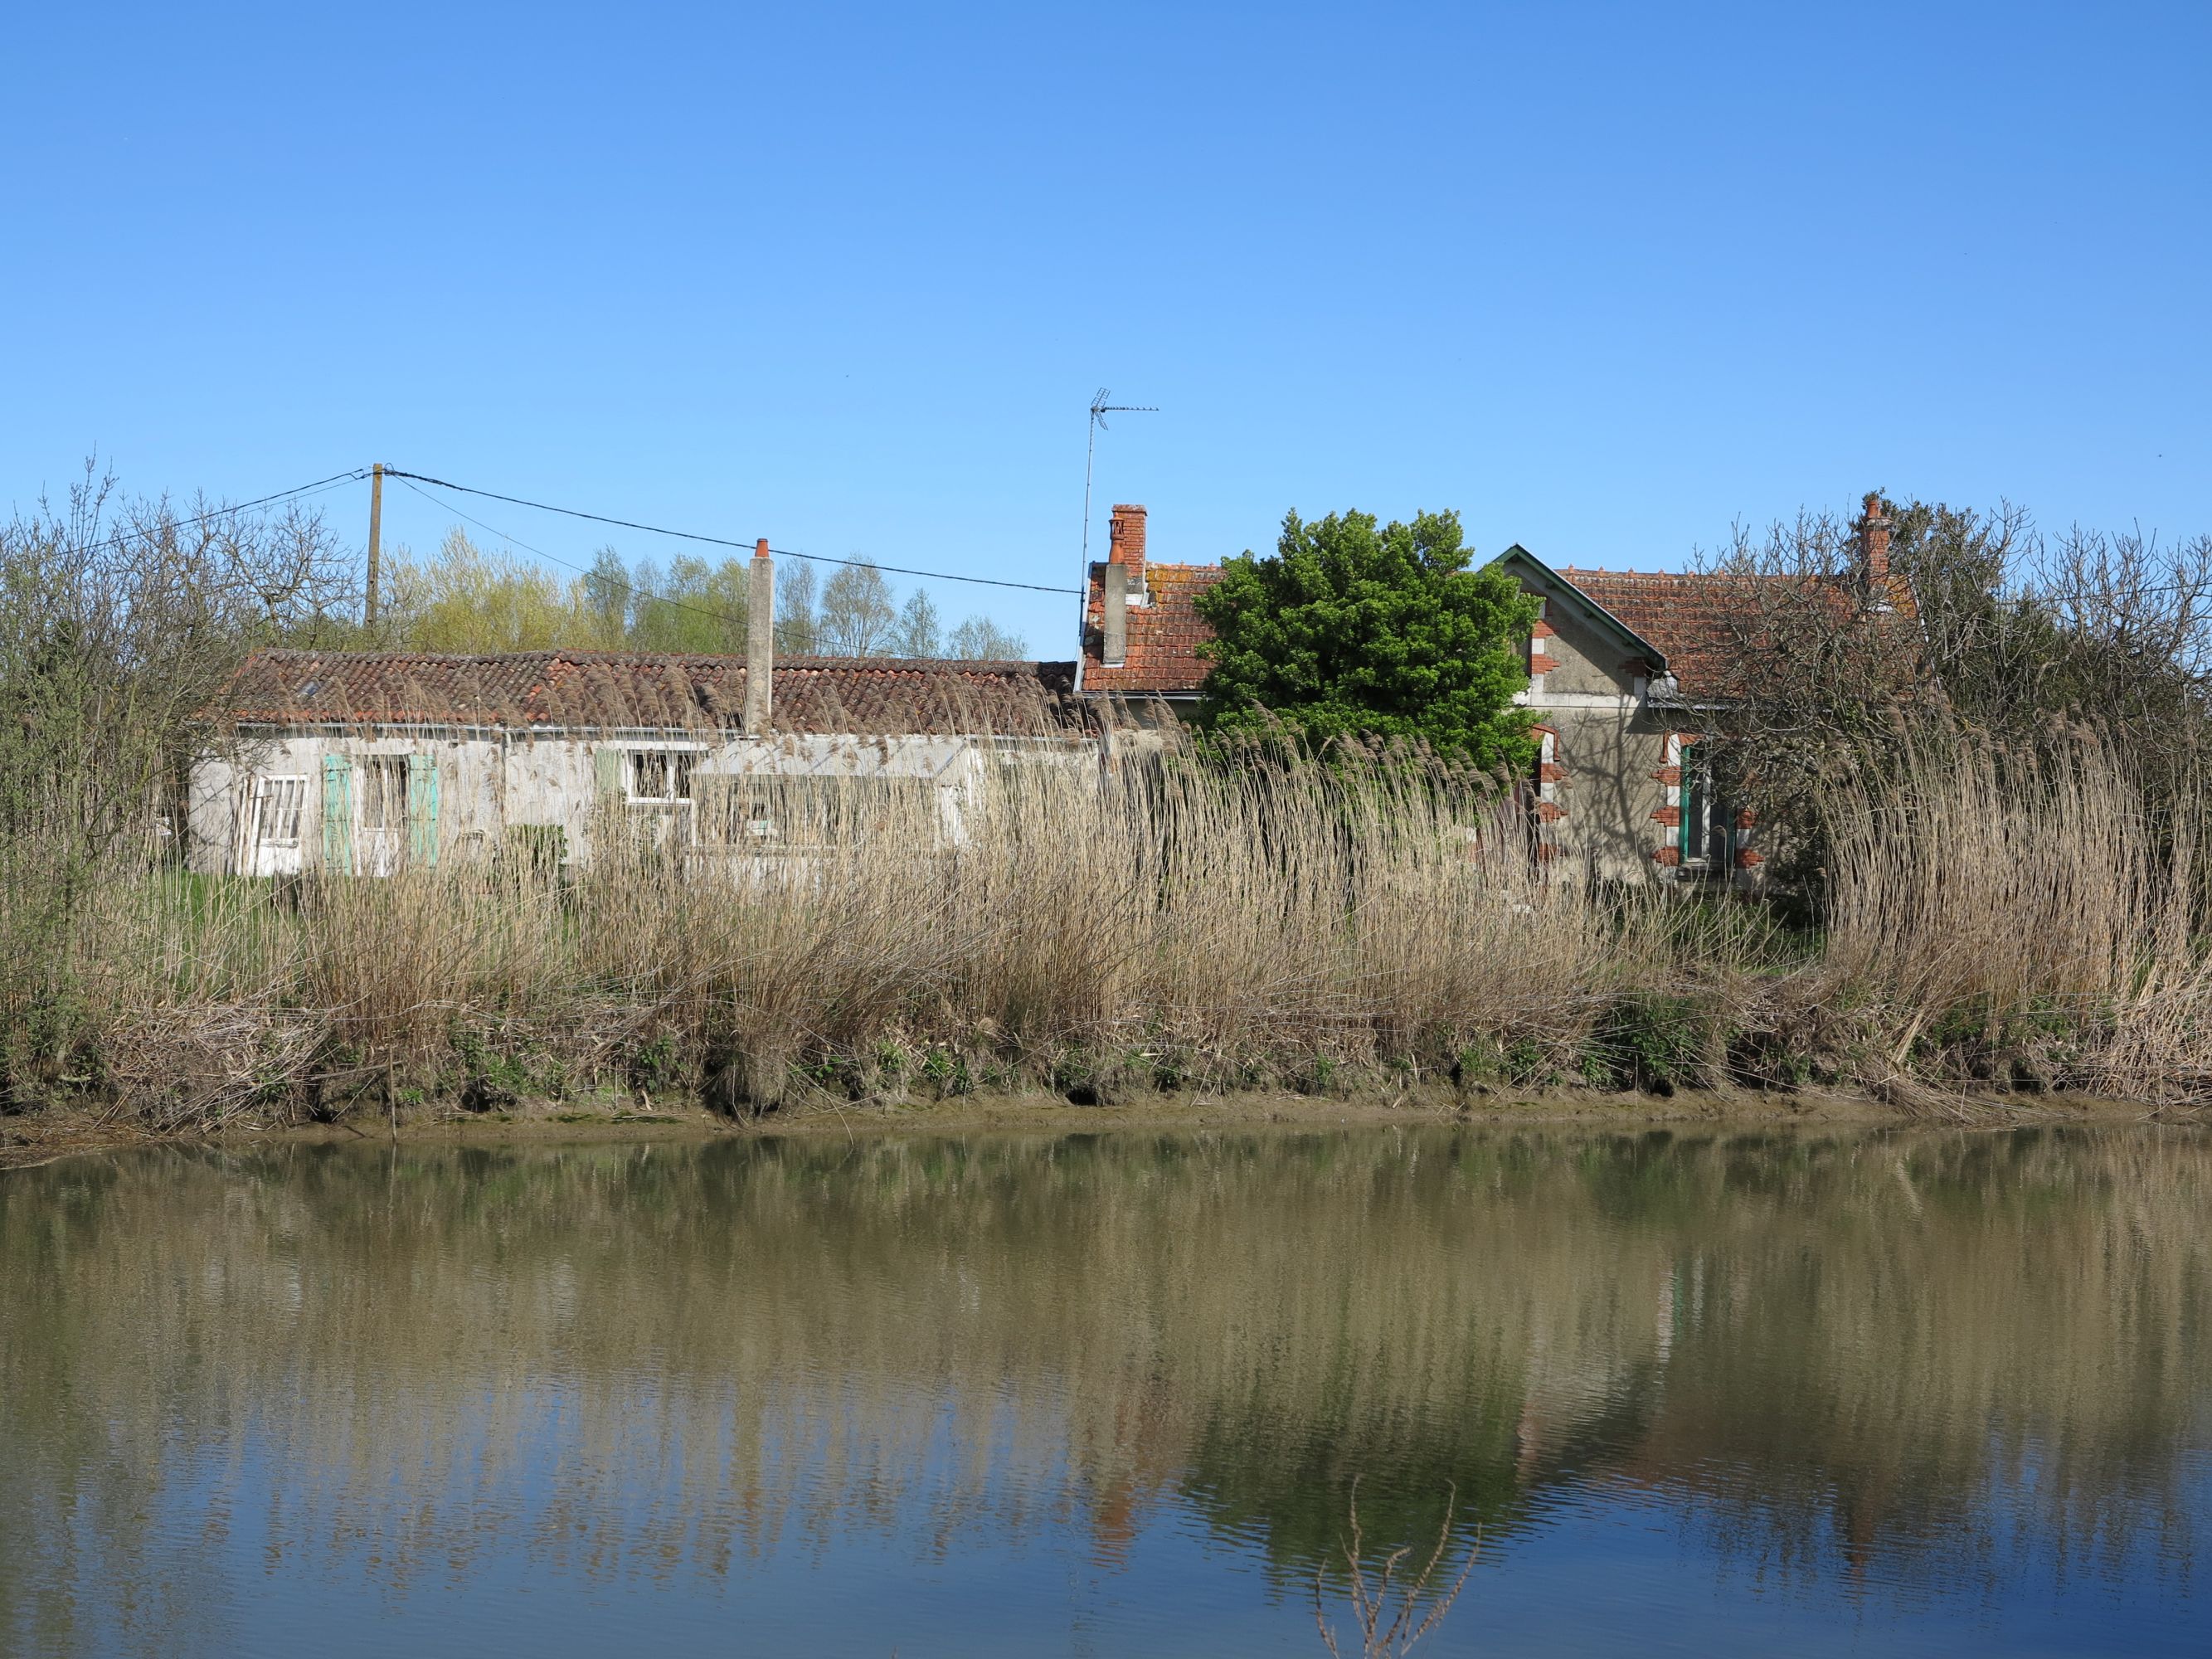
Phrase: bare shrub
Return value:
(118, 618)
(1383, 1630)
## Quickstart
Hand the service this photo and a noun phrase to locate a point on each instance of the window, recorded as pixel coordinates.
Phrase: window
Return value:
(278, 804)
(815, 811)
(661, 775)
(383, 793)
(1704, 819)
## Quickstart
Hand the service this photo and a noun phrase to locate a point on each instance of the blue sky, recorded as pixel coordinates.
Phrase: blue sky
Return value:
(1605, 279)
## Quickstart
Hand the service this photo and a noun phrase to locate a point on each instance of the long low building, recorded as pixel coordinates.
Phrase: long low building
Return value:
(364, 762)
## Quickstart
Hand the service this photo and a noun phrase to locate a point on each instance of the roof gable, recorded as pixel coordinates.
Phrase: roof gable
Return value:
(1600, 618)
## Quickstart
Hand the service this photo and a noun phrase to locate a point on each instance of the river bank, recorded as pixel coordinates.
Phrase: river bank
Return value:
(28, 1141)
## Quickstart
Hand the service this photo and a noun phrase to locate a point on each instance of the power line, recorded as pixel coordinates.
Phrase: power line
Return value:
(330, 482)
(712, 541)
(629, 587)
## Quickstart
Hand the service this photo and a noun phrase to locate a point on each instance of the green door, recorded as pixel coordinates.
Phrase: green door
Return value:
(338, 814)
(422, 811)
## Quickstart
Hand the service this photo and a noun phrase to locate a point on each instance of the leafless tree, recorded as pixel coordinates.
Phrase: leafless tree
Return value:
(859, 616)
(1982, 623)
(119, 618)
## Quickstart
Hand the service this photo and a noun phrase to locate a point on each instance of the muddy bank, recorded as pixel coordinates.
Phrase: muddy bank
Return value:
(33, 1139)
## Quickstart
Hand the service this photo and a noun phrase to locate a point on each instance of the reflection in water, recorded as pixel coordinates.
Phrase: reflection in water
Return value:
(1936, 1375)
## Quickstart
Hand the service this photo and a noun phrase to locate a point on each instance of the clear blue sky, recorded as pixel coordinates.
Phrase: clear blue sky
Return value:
(1603, 278)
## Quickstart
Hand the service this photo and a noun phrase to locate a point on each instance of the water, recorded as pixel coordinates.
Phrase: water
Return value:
(1874, 1393)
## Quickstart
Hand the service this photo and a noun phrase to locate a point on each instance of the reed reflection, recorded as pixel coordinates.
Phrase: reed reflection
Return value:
(1947, 1358)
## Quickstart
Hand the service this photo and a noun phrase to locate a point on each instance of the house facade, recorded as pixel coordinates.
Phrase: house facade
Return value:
(366, 762)
(1624, 669)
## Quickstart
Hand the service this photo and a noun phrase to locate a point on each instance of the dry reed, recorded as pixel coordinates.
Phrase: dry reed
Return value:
(1995, 919)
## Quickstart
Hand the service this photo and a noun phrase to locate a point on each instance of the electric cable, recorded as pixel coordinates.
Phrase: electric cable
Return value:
(719, 541)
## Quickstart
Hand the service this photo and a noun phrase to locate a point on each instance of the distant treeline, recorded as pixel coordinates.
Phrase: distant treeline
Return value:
(466, 598)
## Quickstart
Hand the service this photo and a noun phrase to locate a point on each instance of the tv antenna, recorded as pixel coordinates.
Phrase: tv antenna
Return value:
(1100, 409)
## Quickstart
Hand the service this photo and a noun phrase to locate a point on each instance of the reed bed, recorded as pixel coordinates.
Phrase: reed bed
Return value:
(1994, 919)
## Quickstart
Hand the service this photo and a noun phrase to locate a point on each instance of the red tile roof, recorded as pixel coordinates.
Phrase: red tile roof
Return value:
(1697, 617)
(1164, 634)
(636, 691)
(1685, 614)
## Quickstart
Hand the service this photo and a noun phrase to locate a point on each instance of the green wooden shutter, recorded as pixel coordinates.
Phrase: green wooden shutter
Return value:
(422, 811)
(609, 762)
(338, 814)
(1691, 793)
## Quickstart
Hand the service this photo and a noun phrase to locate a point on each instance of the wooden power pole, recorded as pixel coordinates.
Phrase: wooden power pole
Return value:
(375, 528)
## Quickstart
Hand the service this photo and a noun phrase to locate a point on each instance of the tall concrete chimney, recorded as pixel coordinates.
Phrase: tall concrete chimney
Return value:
(760, 638)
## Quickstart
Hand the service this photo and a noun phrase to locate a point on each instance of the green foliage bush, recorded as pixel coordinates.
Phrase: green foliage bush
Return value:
(1350, 630)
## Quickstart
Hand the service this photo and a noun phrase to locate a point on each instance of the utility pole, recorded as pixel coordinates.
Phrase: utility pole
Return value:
(375, 529)
(1100, 409)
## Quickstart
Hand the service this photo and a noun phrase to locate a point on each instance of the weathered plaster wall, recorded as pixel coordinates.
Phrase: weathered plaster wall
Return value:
(1583, 662)
(1607, 794)
(489, 784)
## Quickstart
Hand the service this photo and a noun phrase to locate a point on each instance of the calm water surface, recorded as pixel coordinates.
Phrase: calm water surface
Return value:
(1871, 1393)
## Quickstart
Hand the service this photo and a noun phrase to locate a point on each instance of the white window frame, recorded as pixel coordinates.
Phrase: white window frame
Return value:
(672, 756)
(267, 788)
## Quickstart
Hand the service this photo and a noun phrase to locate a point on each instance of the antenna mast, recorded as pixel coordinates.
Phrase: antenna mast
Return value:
(1100, 409)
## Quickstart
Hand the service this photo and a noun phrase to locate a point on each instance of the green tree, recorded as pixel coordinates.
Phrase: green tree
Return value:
(606, 600)
(692, 607)
(797, 626)
(1351, 630)
(467, 599)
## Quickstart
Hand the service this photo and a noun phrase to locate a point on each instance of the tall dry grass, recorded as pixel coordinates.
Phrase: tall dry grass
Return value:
(2014, 919)
(1275, 924)
(2020, 915)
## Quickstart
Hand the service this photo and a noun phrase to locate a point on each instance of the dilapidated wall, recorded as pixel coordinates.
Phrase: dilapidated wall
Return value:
(494, 788)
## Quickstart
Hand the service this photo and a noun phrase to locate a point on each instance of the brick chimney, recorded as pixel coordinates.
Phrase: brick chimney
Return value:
(1126, 548)
(1873, 547)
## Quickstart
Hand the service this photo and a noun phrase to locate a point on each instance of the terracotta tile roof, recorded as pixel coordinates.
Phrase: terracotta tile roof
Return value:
(1683, 613)
(1164, 634)
(1686, 615)
(1697, 617)
(591, 690)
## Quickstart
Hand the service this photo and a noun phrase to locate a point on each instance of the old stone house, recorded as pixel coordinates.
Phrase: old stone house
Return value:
(1624, 670)
(364, 762)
